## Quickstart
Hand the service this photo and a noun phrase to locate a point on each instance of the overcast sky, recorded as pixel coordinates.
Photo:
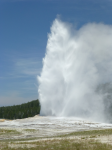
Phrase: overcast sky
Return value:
(24, 26)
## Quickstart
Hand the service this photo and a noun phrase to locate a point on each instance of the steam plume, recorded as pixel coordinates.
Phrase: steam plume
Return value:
(77, 64)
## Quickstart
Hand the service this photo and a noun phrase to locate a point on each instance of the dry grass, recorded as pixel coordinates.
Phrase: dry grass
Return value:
(63, 144)
(8, 132)
(83, 140)
(90, 132)
(30, 130)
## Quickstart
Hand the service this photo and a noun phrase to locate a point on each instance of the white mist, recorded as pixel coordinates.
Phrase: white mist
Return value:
(75, 64)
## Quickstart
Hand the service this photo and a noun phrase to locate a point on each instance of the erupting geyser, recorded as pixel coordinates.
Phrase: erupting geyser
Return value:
(76, 68)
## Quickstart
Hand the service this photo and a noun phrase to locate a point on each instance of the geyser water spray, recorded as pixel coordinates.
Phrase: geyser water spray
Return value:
(76, 64)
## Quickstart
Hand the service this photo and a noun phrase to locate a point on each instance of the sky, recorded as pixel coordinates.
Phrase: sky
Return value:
(24, 28)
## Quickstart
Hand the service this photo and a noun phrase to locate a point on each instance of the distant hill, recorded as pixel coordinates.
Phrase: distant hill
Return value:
(25, 110)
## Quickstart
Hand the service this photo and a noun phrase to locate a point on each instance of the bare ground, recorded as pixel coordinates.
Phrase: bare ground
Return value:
(25, 132)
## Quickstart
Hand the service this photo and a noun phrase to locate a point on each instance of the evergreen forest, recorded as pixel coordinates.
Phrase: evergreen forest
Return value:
(25, 110)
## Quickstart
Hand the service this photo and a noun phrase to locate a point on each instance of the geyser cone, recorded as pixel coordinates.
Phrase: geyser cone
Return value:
(75, 64)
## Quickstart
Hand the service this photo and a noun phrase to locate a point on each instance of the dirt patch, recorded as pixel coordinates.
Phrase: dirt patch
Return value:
(105, 139)
(2, 120)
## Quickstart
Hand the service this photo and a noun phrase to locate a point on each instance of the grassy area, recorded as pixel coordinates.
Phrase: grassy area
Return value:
(91, 132)
(8, 132)
(63, 144)
(30, 130)
(83, 140)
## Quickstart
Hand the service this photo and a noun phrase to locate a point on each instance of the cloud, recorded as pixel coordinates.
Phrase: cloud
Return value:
(18, 83)
(27, 67)
(22, 67)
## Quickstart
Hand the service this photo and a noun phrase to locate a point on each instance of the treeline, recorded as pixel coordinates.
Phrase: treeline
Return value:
(25, 110)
